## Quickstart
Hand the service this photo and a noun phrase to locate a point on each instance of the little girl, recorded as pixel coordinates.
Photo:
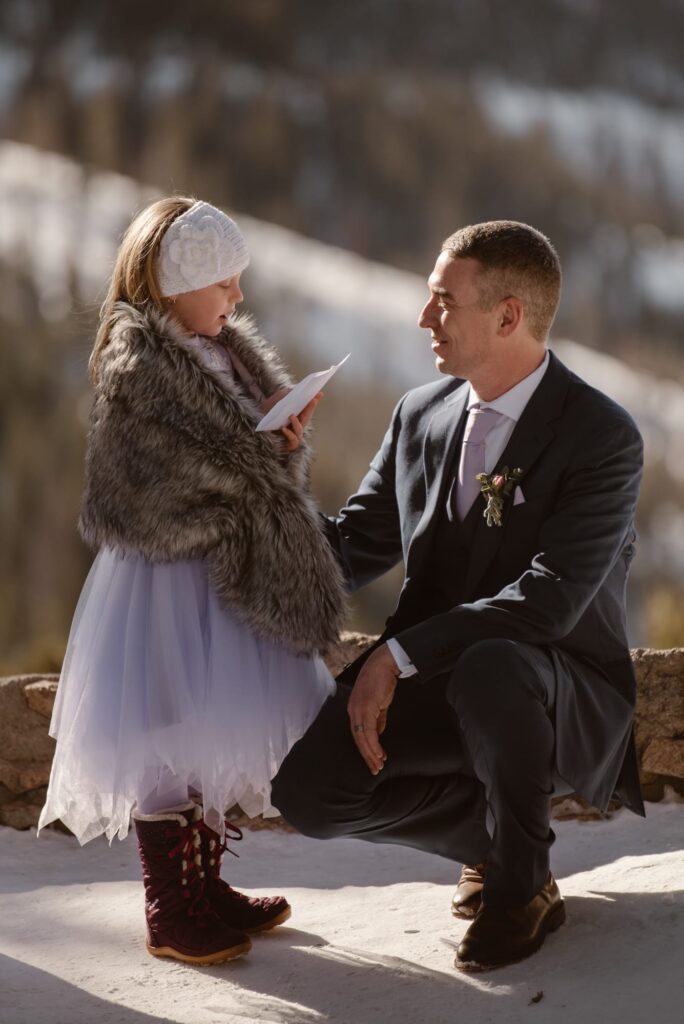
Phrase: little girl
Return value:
(193, 662)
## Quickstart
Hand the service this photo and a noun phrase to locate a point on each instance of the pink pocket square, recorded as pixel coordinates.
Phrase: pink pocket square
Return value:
(518, 496)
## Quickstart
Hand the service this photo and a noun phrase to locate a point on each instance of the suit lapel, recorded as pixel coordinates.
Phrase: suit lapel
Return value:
(531, 435)
(440, 438)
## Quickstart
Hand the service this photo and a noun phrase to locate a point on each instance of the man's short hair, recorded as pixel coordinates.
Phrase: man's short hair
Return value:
(516, 259)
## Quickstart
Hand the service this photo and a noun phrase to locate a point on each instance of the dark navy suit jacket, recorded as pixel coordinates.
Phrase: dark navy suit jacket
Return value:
(553, 574)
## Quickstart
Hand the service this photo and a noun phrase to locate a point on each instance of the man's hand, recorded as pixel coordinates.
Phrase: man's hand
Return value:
(371, 696)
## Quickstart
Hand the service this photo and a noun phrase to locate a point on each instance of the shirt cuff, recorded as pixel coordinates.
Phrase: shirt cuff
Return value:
(404, 663)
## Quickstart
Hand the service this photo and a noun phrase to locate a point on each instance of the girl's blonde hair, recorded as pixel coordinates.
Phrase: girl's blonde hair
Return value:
(134, 279)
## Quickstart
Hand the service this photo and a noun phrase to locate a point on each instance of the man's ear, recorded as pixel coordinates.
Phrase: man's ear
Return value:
(511, 311)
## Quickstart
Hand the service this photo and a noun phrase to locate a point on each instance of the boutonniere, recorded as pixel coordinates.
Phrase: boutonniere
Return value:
(495, 488)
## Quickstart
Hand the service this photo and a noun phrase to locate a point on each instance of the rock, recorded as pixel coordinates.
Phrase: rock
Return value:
(575, 807)
(26, 704)
(6, 795)
(23, 731)
(654, 789)
(21, 776)
(23, 811)
(349, 648)
(40, 696)
(664, 756)
(660, 693)
(659, 716)
(259, 824)
(19, 814)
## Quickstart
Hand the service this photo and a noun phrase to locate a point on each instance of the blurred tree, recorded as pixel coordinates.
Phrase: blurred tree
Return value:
(665, 616)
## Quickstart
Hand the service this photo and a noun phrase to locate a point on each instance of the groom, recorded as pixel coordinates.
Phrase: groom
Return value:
(504, 673)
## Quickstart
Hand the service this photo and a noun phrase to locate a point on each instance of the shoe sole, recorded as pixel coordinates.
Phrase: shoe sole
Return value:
(465, 913)
(273, 922)
(555, 919)
(221, 957)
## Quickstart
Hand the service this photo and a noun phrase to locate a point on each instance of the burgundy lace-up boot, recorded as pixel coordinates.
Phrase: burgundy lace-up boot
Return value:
(180, 920)
(248, 913)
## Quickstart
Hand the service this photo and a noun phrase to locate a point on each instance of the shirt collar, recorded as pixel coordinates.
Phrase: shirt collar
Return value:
(513, 401)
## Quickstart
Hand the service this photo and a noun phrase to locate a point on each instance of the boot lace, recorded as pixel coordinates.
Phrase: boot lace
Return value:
(193, 879)
(218, 846)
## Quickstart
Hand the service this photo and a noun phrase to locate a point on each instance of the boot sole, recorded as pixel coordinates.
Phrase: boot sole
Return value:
(465, 913)
(555, 919)
(280, 918)
(200, 961)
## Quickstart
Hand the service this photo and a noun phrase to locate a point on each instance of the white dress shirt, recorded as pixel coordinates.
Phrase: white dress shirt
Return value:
(511, 404)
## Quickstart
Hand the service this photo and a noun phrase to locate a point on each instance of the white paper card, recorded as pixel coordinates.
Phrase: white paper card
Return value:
(296, 400)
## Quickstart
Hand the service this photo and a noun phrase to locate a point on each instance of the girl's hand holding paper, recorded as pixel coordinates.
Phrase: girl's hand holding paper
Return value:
(296, 403)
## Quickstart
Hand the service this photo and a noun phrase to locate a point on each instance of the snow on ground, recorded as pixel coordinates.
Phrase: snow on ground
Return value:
(597, 131)
(371, 938)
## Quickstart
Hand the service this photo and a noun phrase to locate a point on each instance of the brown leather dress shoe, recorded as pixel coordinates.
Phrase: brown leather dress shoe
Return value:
(504, 935)
(468, 896)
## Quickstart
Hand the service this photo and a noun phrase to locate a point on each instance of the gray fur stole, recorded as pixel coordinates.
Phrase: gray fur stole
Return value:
(175, 470)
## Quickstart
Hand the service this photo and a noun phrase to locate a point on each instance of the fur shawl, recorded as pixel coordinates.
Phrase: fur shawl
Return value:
(175, 470)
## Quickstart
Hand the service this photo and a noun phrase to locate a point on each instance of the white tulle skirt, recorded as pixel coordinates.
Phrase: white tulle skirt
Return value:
(159, 677)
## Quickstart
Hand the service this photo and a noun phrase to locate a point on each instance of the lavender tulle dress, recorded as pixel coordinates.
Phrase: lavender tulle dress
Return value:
(159, 678)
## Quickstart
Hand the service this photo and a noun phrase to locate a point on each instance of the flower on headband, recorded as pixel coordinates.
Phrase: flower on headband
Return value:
(495, 488)
(197, 251)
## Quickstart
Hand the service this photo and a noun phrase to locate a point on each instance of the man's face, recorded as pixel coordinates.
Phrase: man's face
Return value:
(463, 334)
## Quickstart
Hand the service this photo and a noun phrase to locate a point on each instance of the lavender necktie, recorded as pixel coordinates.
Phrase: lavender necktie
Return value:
(480, 422)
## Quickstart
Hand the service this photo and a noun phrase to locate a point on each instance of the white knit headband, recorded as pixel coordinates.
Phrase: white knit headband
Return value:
(201, 247)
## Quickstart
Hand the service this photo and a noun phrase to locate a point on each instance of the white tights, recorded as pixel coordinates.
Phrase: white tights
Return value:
(160, 790)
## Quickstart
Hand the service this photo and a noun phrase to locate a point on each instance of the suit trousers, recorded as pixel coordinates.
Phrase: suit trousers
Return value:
(469, 772)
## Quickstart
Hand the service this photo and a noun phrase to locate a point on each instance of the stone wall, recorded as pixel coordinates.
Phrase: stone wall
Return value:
(26, 749)
(659, 725)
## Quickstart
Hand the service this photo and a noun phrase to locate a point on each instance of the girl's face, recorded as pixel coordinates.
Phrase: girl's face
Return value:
(206, 310)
